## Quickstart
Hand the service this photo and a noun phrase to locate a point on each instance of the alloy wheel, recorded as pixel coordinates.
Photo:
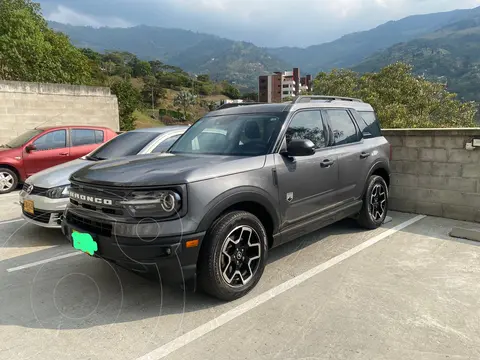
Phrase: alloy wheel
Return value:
(6, 181)
(240, 256)
(378, 202)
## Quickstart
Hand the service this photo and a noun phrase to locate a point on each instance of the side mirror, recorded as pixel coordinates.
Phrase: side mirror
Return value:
(30, 148)
(300, 147)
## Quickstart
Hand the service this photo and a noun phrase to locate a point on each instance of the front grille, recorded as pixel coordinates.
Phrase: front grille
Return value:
(93, 226)
(36, 190)
(40, 216)
(109, 211)
(113, 194)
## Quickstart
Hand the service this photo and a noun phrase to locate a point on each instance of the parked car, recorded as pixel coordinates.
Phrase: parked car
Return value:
(41, 148)
(212, 206)
(45, 195)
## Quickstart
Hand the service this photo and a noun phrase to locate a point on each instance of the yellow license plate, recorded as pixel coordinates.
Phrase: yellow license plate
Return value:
(28, 207)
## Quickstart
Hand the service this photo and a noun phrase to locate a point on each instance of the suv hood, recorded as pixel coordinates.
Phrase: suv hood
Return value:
(165, 169)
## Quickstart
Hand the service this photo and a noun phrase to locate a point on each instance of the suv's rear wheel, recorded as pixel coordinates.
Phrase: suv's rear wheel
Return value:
(8, 180)
(375, 203)
(233, 256)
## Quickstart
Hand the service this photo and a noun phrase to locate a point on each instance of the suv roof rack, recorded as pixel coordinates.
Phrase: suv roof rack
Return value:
(229, 105)
(308, 98)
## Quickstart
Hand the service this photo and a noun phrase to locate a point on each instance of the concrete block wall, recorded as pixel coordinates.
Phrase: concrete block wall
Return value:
(433, 173)
(26, 105)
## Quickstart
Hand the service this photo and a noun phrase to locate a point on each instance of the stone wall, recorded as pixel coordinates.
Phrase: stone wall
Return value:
(26, 105)
(434, 174)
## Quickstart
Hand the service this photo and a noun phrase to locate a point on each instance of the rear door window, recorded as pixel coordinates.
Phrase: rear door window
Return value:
(99, 136)
(83, 137)
(368, 122)
(343, 128)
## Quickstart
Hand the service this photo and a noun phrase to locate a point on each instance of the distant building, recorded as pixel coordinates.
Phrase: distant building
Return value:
(280, 85)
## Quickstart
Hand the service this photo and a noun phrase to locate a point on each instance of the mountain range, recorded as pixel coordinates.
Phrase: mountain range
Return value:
(443, 46)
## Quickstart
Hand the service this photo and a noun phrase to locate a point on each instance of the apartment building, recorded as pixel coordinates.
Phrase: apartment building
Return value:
(280, 85)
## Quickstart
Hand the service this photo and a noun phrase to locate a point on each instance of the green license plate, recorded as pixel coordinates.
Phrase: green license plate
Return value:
(84, 242)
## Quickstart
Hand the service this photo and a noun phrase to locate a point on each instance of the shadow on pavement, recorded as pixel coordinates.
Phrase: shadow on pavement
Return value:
(82, 292)
(23, 234)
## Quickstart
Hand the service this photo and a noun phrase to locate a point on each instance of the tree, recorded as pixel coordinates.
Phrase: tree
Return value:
(400, 98)
(341, 82)
(128, 101)
(205, 88)
(31, 51)
(141, 68)
(156, 66)
(204, 78)
(152, 91)
(231, 91)
(185, 100)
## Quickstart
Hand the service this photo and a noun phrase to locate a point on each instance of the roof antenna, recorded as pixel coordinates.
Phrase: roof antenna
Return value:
(61, 113)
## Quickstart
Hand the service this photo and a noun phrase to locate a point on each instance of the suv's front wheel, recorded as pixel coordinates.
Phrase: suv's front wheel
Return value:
(233, 256)
(375, 203)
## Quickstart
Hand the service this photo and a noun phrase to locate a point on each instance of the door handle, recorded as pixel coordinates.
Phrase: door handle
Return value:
(364, 155)
(63, 154)
(327, 163)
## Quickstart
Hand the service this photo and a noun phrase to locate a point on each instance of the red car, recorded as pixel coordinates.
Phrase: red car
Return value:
(41, 148)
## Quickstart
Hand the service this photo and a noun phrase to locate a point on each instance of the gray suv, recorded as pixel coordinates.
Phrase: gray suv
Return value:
(237, 183)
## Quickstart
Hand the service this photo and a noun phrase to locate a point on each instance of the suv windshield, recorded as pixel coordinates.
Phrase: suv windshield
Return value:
(236, 135)
(23, 139)
(129, 143)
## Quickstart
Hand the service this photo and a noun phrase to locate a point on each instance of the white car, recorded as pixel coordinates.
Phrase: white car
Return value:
(46, 194)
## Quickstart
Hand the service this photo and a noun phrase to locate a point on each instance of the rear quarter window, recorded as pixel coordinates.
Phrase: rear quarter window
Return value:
(368, 122)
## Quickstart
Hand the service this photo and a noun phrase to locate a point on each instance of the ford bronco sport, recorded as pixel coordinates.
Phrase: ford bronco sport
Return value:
(237, 183)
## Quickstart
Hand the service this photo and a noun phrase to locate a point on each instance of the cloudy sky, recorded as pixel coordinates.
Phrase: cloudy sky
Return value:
(263, 22)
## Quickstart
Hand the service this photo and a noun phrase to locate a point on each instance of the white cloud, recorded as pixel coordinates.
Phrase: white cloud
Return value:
(263, 22)
(66, 15)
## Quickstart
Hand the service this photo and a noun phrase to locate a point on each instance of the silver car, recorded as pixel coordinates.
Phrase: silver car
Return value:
(45, 195)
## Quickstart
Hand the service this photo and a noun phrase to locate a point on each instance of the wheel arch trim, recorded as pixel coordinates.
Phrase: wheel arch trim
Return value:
(236, 196)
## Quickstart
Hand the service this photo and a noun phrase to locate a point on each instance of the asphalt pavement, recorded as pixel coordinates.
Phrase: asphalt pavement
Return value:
(404, 291)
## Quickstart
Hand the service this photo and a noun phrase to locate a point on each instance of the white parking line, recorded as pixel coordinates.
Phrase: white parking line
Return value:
(232, 314)
(36, 263)
(10, 221)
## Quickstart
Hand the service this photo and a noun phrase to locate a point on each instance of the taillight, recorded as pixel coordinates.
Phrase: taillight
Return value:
(390, 156)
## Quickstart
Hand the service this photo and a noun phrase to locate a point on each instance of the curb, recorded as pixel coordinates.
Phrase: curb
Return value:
(462, 233)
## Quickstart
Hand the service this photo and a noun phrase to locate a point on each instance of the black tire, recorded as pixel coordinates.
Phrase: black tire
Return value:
(13, 183)
(210, 276)
(369, 218)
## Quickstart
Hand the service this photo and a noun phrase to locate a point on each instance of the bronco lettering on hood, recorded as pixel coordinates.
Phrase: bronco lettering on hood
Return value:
(92, 199)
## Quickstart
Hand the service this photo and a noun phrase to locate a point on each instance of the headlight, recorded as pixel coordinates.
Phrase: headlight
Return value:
(58, 192)
(162, 203)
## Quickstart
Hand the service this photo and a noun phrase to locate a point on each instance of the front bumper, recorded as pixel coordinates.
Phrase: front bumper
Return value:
(47, 212)
(119, 244)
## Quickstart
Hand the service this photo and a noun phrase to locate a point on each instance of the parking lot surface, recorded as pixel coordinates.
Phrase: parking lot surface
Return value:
(404, 291)
(9, 207)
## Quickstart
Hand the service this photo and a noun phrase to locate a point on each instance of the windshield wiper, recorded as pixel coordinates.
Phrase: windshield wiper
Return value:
(94, 158)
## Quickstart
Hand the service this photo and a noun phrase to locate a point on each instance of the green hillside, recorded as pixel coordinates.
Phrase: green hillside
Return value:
(234, 61)
(450, 55)
(353, 48)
